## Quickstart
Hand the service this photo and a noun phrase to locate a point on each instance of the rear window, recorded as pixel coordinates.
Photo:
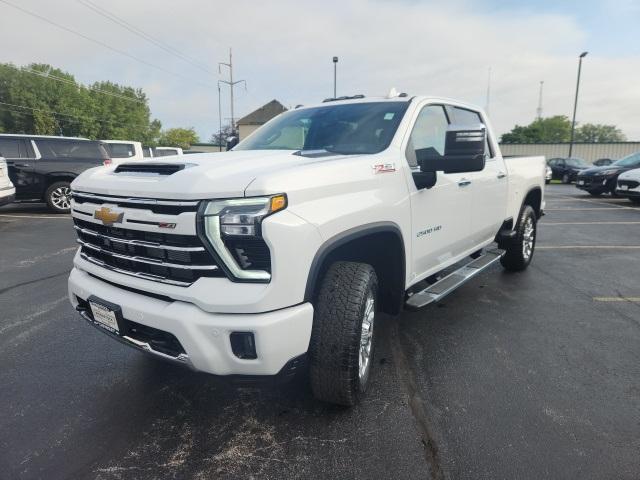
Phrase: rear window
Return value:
(71, 149)
(164, 153)
(120, 150)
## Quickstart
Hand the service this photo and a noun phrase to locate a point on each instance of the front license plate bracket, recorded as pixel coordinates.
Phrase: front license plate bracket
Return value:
(106, 315)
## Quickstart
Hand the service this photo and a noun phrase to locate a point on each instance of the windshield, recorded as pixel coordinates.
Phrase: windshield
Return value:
(577, 162)
(347, 129)
(632, 160)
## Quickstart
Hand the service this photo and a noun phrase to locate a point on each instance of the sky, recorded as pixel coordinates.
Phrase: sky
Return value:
(284, 49)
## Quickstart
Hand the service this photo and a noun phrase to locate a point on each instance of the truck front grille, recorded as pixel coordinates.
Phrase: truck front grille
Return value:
(168, 258)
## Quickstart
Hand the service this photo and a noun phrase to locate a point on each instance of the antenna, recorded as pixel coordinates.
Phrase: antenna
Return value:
(539, 109)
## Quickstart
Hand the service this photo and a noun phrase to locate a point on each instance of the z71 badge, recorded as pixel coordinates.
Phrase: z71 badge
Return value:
(384, 168)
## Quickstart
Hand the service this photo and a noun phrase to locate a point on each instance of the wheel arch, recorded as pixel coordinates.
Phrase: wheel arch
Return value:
(381, 245)
(533, 198)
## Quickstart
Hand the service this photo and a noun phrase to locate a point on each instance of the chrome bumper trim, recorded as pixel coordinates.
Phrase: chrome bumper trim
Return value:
(182, 359)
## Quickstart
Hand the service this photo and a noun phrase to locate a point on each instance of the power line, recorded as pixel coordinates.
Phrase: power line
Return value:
(79, 85)
(140, 33)
(77, 117)
(105, 45)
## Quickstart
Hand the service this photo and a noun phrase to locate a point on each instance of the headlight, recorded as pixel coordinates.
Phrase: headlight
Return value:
(233, 227)
(608, 172)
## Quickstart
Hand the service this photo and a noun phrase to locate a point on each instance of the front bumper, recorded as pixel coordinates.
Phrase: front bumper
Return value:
(628, 193)
(280, 335)
(594, 183)
(7, 195)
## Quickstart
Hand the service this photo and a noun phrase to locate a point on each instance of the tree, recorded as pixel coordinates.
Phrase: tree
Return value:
(179, 137)
(41, 99)
(595, 133)
(220, 138)
(544, 130)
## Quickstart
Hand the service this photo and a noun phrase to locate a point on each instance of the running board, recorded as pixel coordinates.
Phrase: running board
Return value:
(448, 284)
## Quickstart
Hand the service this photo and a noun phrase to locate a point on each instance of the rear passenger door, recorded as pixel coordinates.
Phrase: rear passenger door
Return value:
(441, 215)
(489, 187)
(20, 159)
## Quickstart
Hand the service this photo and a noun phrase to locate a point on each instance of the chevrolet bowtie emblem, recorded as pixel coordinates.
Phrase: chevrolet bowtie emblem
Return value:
(108, 216)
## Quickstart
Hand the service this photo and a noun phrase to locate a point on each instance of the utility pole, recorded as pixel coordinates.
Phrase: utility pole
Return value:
(231, 83)
(335, 75)
(219, 120)
(488, 92)
(539, 109)
(575, 103)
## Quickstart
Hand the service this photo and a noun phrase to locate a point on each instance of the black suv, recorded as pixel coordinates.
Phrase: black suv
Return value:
(42, 168)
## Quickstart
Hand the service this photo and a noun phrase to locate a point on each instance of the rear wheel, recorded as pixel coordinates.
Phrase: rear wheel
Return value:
(518, 255)
(58, 197)
(343, 337)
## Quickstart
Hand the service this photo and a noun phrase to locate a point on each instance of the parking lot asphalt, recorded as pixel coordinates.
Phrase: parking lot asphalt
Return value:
(529, 375)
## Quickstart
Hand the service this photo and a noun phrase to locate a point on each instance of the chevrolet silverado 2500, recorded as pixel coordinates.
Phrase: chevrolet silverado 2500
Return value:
(281, 253)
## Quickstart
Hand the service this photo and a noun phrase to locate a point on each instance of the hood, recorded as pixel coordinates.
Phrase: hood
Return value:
(206, 175)
(598, 170)
(630, 175)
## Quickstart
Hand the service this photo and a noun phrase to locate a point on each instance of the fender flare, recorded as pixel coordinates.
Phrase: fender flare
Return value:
(335, 242)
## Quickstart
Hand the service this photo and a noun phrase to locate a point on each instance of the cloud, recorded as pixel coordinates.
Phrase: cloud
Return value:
(284, 48)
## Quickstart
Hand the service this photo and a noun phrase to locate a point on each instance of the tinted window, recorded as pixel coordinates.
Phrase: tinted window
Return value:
(576, 162)
(10, 147)
(146, 152)
(429, 131)
(349, 129)
(632, 160)
(121, 150)
(71, 149)
(464, 117)
(164, 153)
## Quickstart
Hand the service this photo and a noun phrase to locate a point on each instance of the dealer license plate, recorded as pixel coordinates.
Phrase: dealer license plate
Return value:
(580, 182)
(104, 316)
(624, 187)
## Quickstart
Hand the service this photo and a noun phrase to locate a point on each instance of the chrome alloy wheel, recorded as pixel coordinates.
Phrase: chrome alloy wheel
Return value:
(528, 238)
(366, 340)
(61, 198)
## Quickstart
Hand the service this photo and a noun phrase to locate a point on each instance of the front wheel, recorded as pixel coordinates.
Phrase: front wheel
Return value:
(58, 197)
(566, 179)
(518, 255)
(342, 338)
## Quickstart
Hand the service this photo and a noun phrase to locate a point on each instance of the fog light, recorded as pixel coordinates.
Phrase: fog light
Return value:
(243, 345)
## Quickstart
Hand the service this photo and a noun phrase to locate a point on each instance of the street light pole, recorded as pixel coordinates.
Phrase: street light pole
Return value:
(219, 120)
(575, 103)
(335, 69)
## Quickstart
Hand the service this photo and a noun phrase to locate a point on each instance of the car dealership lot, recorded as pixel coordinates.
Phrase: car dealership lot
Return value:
(527, 375)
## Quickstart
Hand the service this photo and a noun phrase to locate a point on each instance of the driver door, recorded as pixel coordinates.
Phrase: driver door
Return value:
(441, 215)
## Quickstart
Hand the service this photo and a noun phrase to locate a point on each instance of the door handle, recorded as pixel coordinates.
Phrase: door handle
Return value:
(501, 175)
(464, 182)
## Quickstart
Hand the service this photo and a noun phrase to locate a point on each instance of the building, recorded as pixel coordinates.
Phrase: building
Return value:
(259, 117)
(587, 151)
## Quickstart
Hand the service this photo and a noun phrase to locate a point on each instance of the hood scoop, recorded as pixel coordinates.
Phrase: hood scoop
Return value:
(151, 169)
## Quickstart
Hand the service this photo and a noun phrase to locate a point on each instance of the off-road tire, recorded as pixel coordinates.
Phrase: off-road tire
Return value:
(52, 197)
(515, 258)
(334, 350)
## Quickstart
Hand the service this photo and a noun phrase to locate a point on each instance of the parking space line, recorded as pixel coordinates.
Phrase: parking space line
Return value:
(62, 217)
(585, 247)
(616, 299)
(597, 202)
(585, 208)
(588, 223)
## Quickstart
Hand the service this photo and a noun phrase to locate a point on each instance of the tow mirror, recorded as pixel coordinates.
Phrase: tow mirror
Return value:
(464, 151)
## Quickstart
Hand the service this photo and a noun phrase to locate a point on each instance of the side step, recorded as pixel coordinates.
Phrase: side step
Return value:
(448, 284)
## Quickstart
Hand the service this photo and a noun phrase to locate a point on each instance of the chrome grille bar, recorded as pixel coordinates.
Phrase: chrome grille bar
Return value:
(139, 243)
(142, 201)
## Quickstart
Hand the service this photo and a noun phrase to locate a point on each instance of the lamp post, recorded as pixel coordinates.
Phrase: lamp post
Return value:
(575, 103)
(335, 69)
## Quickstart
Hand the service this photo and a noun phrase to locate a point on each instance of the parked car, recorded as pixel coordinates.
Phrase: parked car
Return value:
(603, 162)
(7, 190)
(549, 175)
(166, 151)
(323, 217)
(629, 185)
(599, 180)
(566, 169)
(42, 168)
(123, 150)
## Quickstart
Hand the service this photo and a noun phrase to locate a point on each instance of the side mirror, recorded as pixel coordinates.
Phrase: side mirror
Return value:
(464, 151)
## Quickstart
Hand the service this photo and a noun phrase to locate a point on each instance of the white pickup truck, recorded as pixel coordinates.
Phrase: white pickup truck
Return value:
(279, 254)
